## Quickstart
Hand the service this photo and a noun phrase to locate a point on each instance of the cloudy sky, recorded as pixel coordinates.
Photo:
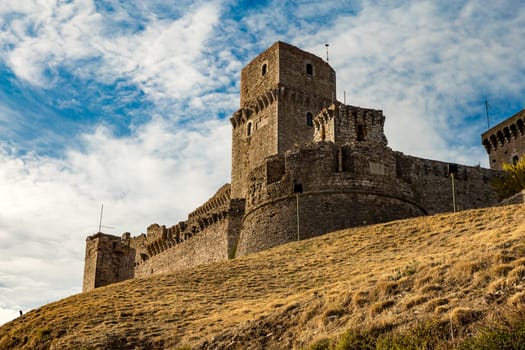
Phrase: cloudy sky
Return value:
(126, 103)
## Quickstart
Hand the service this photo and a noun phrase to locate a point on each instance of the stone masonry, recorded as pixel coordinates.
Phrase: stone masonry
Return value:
(505, 142)
(303, 164)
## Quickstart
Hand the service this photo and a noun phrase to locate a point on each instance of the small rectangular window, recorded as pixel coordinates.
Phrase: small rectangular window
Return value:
(309, 119)
(309, 69)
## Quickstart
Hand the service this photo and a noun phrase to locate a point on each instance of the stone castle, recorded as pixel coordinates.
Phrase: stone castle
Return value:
(303, 164)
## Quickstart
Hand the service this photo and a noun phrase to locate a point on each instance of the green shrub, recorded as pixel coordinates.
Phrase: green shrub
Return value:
(513, 181)
(356, 340)
(323, 344)
(423, 336)
(502, 339)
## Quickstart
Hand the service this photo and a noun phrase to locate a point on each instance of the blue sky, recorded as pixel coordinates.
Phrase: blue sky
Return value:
(127, 103)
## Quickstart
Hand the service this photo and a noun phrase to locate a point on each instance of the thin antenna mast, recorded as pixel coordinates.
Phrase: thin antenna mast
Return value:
(327, 51)
(344, 97)
(487, 113)
(100, 222)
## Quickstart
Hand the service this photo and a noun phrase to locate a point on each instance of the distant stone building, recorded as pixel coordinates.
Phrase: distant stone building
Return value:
(303, 164)
(505, 142)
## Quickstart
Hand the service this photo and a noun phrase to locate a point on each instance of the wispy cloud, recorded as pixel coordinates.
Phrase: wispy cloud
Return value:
(165, 58)
(429, 66)
(48, 206)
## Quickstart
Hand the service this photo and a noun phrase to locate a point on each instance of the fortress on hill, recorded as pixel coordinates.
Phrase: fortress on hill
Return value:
(303, 164)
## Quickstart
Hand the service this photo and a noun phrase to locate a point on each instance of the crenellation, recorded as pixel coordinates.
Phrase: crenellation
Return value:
(303, 164)
(505, 142)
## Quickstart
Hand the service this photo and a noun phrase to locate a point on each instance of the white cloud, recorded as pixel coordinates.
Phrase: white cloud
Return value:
(45, 34)
(167, 59)
(49, 206)
(425, 65)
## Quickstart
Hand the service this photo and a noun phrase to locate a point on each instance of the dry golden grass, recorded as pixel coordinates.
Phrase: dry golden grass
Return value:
(458, 269)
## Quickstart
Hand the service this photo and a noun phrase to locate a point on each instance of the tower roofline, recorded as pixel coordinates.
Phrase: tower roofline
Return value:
(506, 122)
(282, 44)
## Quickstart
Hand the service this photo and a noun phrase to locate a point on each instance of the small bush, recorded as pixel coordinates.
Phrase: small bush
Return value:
(323, 344)
(43, 334)
(356, 340)
(502, 339)
(512, 182)
(425, 335)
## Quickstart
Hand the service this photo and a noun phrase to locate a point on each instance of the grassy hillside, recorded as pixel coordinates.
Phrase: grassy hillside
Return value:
(456, 272)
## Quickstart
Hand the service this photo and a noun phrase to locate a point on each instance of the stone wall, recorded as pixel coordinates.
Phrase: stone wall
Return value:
(90, 264)
(254, 137)
(209, 234)
(343, 124)
(214, 241)
(211, 244)
(254, 81)
(274, 223)
(308, 84)
(341, 186)
(350, 185)
(295, 108)
(294, 73)
(431, 184)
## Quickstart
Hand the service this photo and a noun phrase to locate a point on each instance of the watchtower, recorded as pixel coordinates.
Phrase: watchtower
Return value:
(109, 259)
(505, 142)
(282, 90)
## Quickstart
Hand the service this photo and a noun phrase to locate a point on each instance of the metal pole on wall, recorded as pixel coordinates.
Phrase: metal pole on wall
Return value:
(297, 189)
(453, 169)
(453, 191)
(297, 212)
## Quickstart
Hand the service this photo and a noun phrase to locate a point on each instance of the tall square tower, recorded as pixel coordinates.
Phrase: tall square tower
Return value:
(282, 90)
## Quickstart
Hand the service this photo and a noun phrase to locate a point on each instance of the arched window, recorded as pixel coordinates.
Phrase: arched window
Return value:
(249, 129)
(309, 69)
(309, 119)
(264, 69)
(520, 126)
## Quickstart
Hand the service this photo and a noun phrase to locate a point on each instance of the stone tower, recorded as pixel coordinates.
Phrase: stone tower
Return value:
(282, 90)
(109, 259)
(505, 142)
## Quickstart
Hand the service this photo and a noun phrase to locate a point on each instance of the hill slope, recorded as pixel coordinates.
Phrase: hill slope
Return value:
(455, 268)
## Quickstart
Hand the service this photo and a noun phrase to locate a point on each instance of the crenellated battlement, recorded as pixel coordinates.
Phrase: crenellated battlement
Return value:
(296, 97)
(160, 238)
(327, 167)
(219, 202)
(505, 142)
